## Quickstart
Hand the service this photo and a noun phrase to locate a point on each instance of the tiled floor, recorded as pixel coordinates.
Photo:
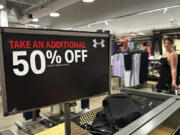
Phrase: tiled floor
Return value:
(8, 122)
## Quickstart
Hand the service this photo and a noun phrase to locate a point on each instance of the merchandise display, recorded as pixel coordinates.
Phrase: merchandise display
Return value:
(152, 106)
(115, 48)
(132, 66)
(118, 65)
(156, 50)
(143, 75)
(147, 46)
(153, 69)
(113, 118)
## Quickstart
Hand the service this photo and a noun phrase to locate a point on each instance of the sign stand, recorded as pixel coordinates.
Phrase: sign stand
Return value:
(34, 116)
(67, 119)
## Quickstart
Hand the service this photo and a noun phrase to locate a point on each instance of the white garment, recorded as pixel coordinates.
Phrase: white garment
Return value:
(127, 78)
(118, 65)
(130, 45)
(136, 61)
(156, 50)
(131, 77)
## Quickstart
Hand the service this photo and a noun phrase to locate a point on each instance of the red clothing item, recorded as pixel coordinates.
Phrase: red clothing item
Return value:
(124, 41)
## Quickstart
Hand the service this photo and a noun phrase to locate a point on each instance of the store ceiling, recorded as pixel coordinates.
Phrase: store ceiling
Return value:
(19, 8)
(75, 13)
(26, 6)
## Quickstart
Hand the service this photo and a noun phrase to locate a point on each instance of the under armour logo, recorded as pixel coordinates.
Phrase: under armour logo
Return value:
(99, 43)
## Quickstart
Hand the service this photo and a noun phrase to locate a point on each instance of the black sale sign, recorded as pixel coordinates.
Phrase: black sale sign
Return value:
(41, 68)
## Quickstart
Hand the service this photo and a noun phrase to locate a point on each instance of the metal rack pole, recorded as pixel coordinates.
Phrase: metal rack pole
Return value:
(67, 119)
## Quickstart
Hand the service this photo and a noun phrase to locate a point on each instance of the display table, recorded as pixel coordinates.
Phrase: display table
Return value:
(60, 130)
(161, 130)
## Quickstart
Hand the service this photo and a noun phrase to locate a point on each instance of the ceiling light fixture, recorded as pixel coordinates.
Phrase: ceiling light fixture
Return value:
(178, 5)
(1, 6)
(171, 20)
(68, 29)
(165, 10)
(141, 33)
(89, 26)
(106, 22)
(150, 11)
(88, 1)
(133, 34)
(35, 20)
(54, 14)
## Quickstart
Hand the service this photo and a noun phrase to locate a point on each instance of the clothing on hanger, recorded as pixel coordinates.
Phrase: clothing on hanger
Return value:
(133, 66)
(156, 49)
(143, 76)
(118, 65)
(114, 48)
(131, 45)
(135, 69)
(128, 61)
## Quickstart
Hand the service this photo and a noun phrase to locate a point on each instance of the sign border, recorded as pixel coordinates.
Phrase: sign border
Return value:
(45, 32)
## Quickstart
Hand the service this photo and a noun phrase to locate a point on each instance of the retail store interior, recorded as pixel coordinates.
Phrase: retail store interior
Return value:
(142, 95)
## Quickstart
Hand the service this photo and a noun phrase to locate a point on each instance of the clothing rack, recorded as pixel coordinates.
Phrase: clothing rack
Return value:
(142, 38)
(120, 78)
(140, 51)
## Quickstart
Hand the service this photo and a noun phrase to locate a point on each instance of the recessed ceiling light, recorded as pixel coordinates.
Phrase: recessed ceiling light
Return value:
(54, 14)
(35, 19)
(1, 6)
(88, 1)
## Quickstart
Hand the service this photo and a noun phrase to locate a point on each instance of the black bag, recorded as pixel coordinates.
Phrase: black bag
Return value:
(119, 110)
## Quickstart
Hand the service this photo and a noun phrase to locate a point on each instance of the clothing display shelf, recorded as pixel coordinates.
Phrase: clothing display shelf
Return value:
(142, 38)
(146, 100)
(131, 52)
(153, 69)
